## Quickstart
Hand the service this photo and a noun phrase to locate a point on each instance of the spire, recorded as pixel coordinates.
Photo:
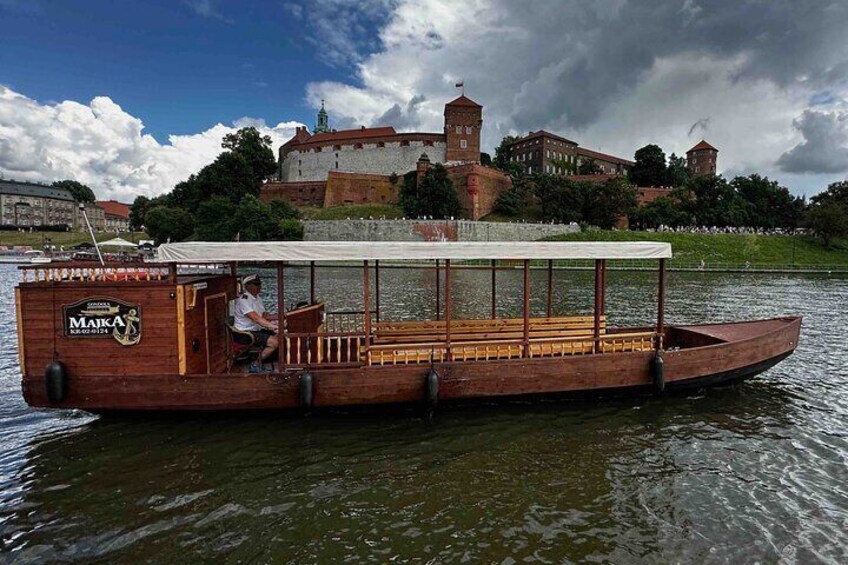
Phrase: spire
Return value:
(323, 124)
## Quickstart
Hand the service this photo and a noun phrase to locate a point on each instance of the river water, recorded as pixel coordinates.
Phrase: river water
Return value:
(756, 472)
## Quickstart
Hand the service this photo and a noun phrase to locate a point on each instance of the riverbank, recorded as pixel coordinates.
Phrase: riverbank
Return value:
(734, 252)
(66, 239)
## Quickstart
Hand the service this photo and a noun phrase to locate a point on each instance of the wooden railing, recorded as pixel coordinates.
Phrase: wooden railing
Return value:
(404, 354)
(85, 272)
(323, 348)
(349, 348)
(346, 321)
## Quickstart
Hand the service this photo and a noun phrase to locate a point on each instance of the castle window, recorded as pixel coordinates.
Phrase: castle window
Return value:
(463, 144)
(337, 164)
(381, 144)
(548, 153)
(299, 173)
(404, 143)
(468, 130)
(458, 129)
(357, 146)
(337, 155)
(337, 147)
(428, 143)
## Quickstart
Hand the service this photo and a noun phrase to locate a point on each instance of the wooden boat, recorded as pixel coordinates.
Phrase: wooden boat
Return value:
(154, 336)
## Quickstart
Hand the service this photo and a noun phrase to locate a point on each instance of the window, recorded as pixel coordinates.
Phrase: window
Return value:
(468, 129)
(358, 146)
(547, 168)
(404, 143)
(463, 144)
(298, 162)
(428, 143)
(337, 147)
(337, 164)
(458, 129)
(529, 169)
(381, 144)
(548, 153)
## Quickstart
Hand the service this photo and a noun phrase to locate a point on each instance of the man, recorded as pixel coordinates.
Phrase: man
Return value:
(250, 316)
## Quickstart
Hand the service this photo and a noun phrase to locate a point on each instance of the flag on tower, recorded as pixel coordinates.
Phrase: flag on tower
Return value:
(460, 85)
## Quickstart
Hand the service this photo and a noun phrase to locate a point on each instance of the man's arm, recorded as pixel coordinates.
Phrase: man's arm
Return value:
(261, 321)
(272, 317)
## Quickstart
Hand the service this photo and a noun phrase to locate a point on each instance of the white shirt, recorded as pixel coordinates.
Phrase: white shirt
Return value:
(245, 304)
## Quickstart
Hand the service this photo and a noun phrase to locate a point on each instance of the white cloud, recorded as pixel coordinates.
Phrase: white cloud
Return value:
(104, 147)
(611, 73)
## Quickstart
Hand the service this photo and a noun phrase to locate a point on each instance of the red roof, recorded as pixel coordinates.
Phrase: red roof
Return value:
(702, 145)
(463, 101)
(115, 208)
(348, 134)
(602, 156)
(542, 133)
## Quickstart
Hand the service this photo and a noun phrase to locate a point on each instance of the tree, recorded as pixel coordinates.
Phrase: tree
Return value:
(769, 204)
(608, 202)
(588, 166)
(827, 220)
(712, 201)
(282, 210)
(561, 200)
(836, 193)
(255, 221)
(165, 223)
(291, 229)
(503, 152)
(649, 168)
(434, 196)
(485, 159)
(214, 219)
(664, 211)
(511, 202)
(137, 211)
(676, 173)
(256, 150)
(79, 191)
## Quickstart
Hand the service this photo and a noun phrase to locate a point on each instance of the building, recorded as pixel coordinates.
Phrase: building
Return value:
(545, 152)
(116, 215)
(367, 165)
(26, 204)
(96, 217)
(380, 150)
(702, 159)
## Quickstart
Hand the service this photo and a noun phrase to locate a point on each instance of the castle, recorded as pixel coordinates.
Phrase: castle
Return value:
(380, 150)
(365, 166)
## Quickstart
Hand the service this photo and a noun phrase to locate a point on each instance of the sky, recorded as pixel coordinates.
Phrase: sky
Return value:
(132, 97)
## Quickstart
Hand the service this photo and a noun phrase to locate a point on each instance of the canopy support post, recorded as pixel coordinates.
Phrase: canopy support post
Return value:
(282, 347)
(438, 291)
(494, 289)
(447, 310)
(377, 289)
(596, 344)
(526, 308)
(661, 306)
(312, 282)
(550, 288)
(366, 298)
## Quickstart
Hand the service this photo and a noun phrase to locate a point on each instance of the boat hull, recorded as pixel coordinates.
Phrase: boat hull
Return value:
(698, 356)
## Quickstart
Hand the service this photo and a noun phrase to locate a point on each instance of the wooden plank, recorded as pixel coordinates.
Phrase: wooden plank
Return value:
(448, 309)
(181, 345)
(19, 322)
(661, 305)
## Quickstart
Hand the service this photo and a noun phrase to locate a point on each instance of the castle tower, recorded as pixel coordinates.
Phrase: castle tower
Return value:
(463, 122)
(701, 159)
(323, 123)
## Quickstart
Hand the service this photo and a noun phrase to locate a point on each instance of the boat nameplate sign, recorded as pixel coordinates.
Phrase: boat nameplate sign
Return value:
(103, 317)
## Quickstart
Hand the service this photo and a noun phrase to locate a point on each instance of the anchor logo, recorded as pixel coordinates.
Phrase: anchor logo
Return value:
(130, 335)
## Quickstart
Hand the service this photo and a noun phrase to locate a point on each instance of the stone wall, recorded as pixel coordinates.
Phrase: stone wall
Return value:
(429, 230)
(478, 188)
(295, 193)
(393, 157)
(359, 188)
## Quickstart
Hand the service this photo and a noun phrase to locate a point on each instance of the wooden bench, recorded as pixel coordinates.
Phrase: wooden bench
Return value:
(471, 330)
(478, 350)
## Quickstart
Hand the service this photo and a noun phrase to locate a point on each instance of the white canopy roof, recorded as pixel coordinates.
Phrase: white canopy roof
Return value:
(215, 252)
(116, 242)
